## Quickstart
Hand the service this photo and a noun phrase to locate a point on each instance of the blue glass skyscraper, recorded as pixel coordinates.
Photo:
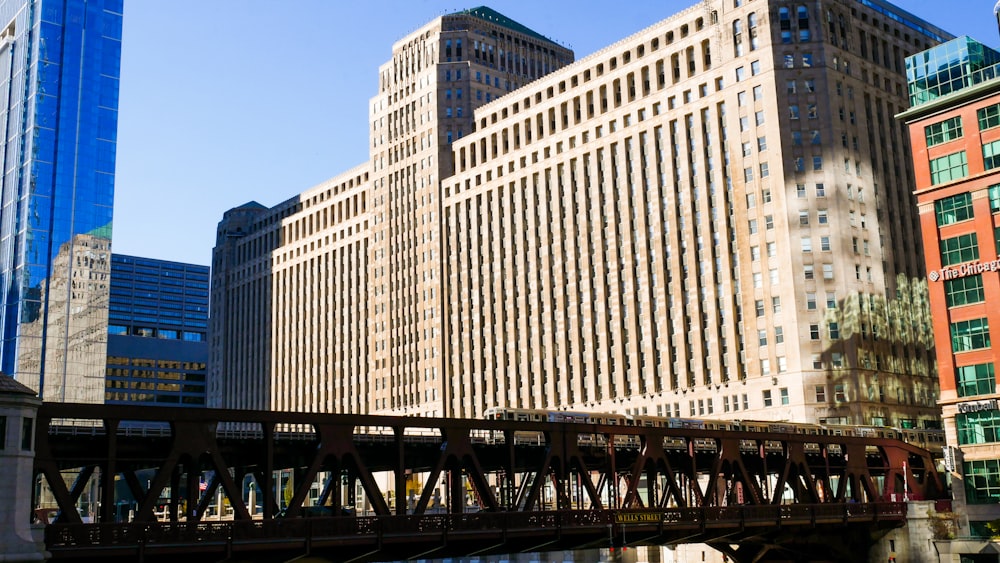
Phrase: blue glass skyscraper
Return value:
(59, 70)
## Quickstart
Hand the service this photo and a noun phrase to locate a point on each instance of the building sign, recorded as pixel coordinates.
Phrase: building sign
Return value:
(977, 406)
(969, 269)
(638, 517)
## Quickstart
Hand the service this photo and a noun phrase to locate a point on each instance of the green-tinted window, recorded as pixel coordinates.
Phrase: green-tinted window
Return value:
(978, 427)
(943, 131)
(963, 291)
(962, 248)
(982, 481)
(991, 155)
(996, 235)
(953, 209)
(973, 334)
(975, 380)
(949, 167)
(989, 116)
(995, 198)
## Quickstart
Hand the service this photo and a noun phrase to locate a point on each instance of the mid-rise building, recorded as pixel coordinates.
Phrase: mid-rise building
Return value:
(954, 126)
(60, 63)
(713, 218)
(157, 325)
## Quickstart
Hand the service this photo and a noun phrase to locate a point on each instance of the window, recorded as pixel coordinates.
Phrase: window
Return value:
(758, 279)
(763, 170)
(790, 86)
(753, 226)
(754, 71)
(740, 73)
(747, 149)
(821, 393)
(820, 190)
(828, 271)
(821, 217)
(783, 393)
(807, 244)
(767, 398)
(797, 138)
(761, 143)
(943, 131)
(803, 218)
(989, 116)
(810, 85)
(810, 301)
(765, 367)
(978, 427)
(831, 300)
(800, 190)
(789, 60)
(991, 155)
(973, 334)
(762, 337)
(950, 167)
(748, 175)
(975, 380)
(741, 98)
(754, 253)
(769, 222)
(953, 209)
(759, 307)
(793, 112)
(807, 60)
(982, 481)
(758, 93)
(27, 433)
(807, 271)
(956, 250)
(817, 162)
(759, 116)
(779, 335)
(964, 291)
(813, 332)
(839, 393)
(994, 192)
(772, 249)
(834, 329)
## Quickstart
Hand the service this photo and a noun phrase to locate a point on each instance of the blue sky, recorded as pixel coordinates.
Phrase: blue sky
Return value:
(228, 101)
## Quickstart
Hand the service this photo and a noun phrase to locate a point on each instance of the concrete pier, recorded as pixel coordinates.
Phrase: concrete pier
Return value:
(19, 539)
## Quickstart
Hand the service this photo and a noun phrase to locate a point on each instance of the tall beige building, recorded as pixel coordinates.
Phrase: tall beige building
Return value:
(712, 217)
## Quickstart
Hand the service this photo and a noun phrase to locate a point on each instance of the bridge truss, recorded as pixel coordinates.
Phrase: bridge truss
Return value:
(629, 479)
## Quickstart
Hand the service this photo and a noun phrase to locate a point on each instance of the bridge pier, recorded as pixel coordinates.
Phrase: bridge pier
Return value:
(20, 540)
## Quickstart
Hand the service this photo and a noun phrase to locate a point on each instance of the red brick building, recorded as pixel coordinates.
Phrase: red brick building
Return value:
(954, 126)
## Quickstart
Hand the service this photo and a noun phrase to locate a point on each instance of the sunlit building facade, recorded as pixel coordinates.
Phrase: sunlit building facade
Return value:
(60, 65)
(705, 219)
(954, 127)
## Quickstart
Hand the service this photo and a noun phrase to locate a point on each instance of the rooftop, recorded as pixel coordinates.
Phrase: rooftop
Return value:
(488, 14)
(950, 68)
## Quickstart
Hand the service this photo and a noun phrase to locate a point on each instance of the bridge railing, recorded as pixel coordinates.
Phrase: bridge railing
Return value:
(65, 537)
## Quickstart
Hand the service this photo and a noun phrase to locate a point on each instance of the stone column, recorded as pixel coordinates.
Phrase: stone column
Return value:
(19, 540)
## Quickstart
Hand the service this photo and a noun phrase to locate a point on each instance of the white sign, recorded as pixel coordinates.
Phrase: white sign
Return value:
(969, 269)
(977, 406)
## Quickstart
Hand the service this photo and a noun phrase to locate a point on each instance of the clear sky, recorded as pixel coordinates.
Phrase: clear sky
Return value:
(227, 101)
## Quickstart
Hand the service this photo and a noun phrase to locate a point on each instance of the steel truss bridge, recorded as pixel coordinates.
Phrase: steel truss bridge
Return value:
(508, 486)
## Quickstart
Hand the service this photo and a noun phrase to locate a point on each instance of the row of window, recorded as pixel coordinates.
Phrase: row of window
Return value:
(951, 128)
(958, 208)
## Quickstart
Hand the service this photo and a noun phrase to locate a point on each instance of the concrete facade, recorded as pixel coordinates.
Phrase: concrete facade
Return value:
(705, 219)
(19, 539)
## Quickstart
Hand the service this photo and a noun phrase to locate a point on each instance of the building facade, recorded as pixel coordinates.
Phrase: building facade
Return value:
(60, 62)
(157, 332)
(954, 127)
(704, 219)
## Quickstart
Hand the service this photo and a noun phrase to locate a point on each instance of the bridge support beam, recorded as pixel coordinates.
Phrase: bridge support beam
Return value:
(20, 540)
